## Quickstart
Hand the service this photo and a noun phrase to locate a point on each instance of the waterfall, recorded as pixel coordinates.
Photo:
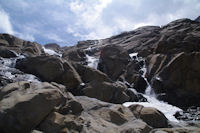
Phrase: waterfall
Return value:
(149, 90)
(167, 109)
(92, 61)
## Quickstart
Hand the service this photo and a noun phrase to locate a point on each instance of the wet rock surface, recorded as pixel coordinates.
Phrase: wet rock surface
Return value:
(190, 114)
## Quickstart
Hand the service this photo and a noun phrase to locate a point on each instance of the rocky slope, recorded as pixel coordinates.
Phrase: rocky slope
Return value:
(84, 89)
(164, 49)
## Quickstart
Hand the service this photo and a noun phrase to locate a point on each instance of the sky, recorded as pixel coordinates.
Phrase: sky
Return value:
(67, 21)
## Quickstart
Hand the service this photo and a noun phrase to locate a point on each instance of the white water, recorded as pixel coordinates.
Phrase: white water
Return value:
(51, 52)
(149, 90)
(8, 70)
(92, 61)
(167, 109)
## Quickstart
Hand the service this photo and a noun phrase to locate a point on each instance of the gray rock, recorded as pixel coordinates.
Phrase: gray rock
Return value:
(24, 105)
(180, 80)
(96, 117)
(113, 61)
(51, 69)
(20, 46)
(151, 116)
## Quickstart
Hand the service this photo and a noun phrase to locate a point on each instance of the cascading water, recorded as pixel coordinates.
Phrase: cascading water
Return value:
(8, 70)
(51, 52)
(167, 109)
(92, 61)
(149, 90)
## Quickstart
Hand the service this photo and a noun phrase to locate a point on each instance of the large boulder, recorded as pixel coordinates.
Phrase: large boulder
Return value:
(151, 116)
(98, 85)
(113, 60)
(106, 91)
(51, 69)
(74, 55)
(24, 105)
(180, 80)
(89, 74)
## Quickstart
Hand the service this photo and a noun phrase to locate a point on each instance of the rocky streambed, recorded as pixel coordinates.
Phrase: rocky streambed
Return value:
(142, 81)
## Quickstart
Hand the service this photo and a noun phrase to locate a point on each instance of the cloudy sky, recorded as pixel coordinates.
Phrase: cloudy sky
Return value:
(68, 21)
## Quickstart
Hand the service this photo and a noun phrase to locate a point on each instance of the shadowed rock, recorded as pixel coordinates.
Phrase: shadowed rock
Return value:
(180, 80)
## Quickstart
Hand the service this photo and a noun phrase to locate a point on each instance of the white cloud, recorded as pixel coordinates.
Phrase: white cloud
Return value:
(28, 37)
(88, 16)
(54, 37)
(104, 18)
(5, 24)
(27, 31)
(72, 20)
